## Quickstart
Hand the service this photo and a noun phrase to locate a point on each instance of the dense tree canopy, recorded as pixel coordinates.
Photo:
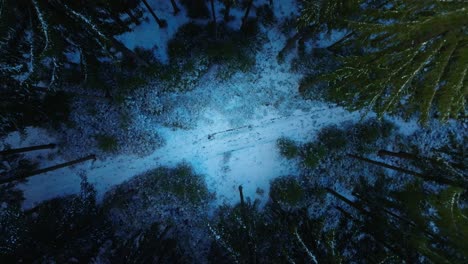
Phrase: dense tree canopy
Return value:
(46, 44)
(408, 56)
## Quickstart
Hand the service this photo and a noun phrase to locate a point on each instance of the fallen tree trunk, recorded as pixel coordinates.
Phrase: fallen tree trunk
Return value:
(27, 149)
(44, 170)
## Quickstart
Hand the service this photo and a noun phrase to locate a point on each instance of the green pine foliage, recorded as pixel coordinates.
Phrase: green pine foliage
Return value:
(424, 217)
(287, 147)
(417, 221)
(319, 16)
(287, 191)
(46, 44)
(50, 30)
(326, 14)
(285, 234)
(75, 228)
(50, 230)
(410, 57)
(194, 49)
(332, 143)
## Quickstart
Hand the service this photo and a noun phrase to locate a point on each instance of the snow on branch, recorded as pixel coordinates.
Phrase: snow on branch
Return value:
(54, 72)
(309, 253)
(44, 26)
(86, 20)
(219, 239)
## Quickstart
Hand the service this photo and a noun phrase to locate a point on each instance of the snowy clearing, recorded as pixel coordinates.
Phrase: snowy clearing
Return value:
(247, 156)
(234, 124)
(233, 141)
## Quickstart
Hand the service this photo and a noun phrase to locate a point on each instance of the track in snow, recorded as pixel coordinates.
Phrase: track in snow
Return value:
(227, 157)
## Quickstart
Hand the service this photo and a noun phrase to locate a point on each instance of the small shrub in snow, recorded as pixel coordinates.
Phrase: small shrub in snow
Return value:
(187, 186)
(179, 182)
(287, 147)
(332, 142)
(194, 49)
(312, 154)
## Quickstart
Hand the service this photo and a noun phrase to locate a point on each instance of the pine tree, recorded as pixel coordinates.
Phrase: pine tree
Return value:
(326, 14)
(434, 169)
(246, 14)
(317, 16)
(161, 22)
(36, 54)
(411, 57)
(175, 7)
(414, 218)
(227, 8)
(213, 16)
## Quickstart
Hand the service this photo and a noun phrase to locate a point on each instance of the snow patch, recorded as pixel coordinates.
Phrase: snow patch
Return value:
(149, 35)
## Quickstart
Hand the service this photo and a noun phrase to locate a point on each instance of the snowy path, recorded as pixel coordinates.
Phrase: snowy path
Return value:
(247, 155)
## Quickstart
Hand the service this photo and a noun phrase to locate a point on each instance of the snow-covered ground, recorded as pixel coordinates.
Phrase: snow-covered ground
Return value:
(235, 125)
(232, 143)
(246, 155)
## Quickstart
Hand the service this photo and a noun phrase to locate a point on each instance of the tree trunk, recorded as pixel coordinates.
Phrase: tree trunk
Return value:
(227, 10)
(241, 194)
(379, 241)
(291, 42)
(250, 243)
(128, 53)
(246, 15)
(345, 213)
(378, 163)
(52, 168)
(26, 149)
(362, 211)
(412, 173)
(349, 202)
(405, 220)
(161, 22)
(401, 154)
(213, 15)
(332, 46)
(132, 17)
(175, 7)
(410, 156)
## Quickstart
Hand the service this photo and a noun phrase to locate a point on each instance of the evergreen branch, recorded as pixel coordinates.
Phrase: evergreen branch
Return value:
(312, 257)
(87, 21)
(54, 72)
(453, 87)
(31, 63)
(429, 87)
(410, 78)
(392, 75)
(43, 24)
(225, 245)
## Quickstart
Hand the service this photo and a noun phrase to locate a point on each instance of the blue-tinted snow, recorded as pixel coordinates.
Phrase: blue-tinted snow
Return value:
(148, 35)
(232, 125)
